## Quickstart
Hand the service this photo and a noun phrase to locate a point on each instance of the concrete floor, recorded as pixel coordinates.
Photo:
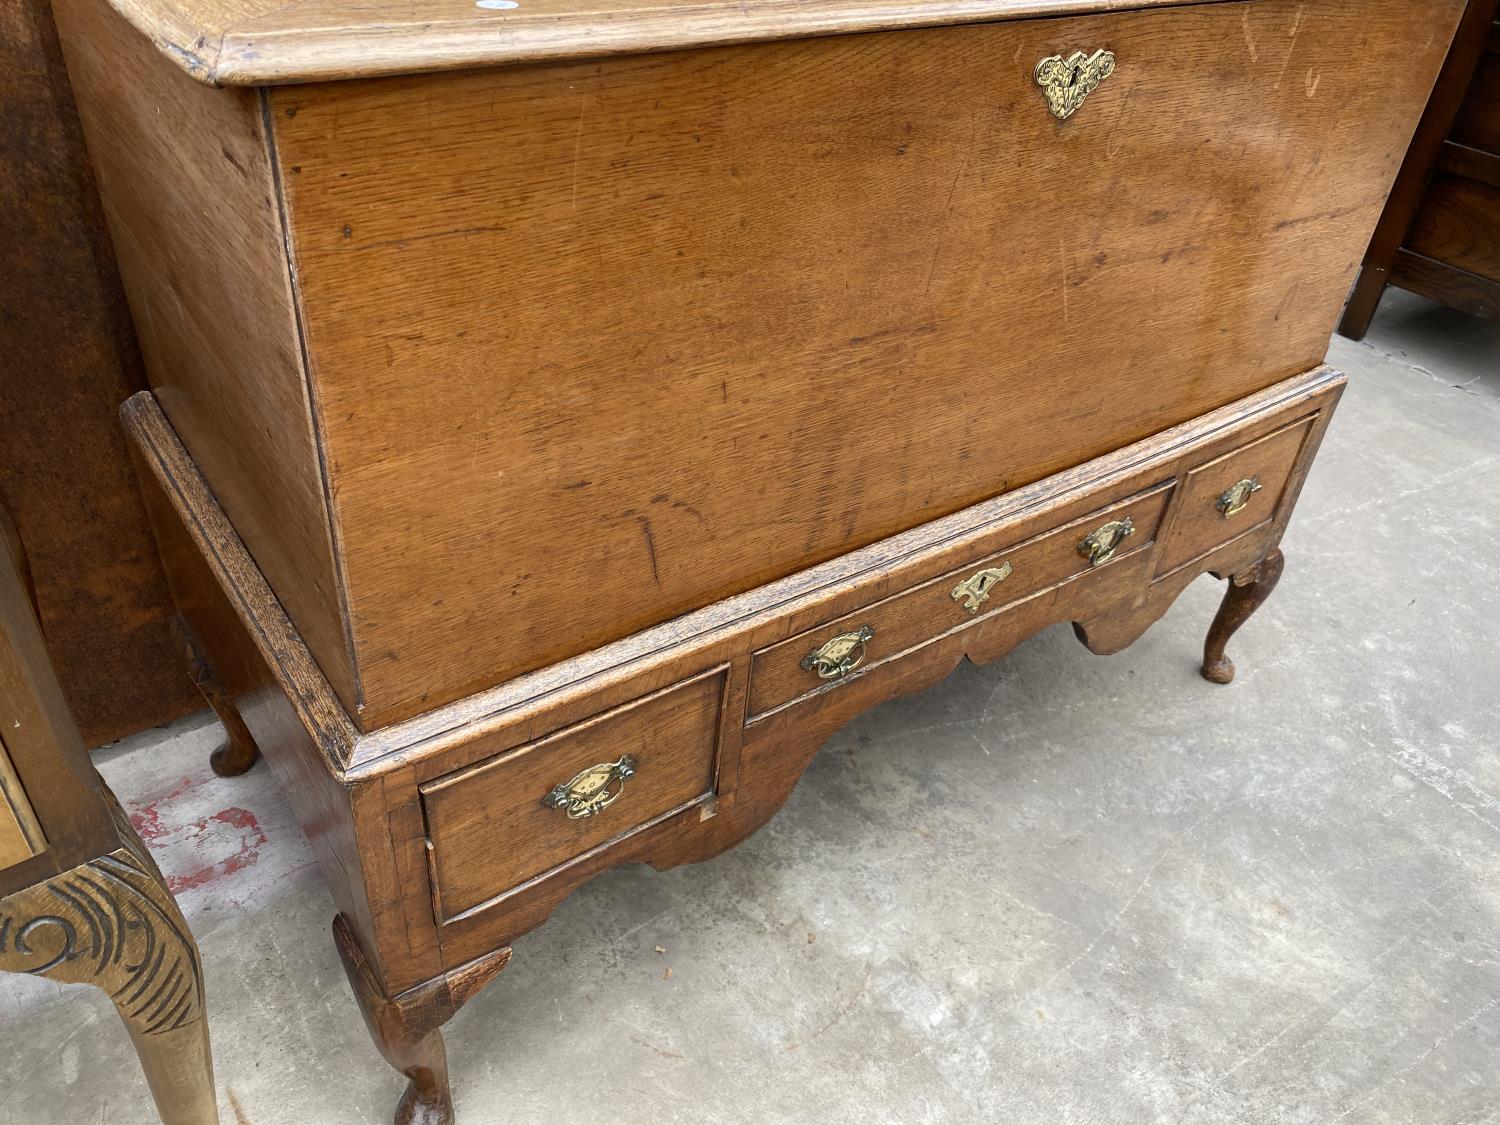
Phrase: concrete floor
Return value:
(1062, 889)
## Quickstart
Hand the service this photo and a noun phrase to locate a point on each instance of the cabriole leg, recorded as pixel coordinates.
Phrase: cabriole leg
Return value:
(1247, 592)
(407, 1028)
(113, 924)
(239, 751)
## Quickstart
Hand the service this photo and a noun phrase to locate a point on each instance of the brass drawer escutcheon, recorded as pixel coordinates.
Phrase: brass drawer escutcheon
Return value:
(1067, 82)
(974, 591)
(1105, 543)
(589, 793)
(1236, 498)
(841, 655)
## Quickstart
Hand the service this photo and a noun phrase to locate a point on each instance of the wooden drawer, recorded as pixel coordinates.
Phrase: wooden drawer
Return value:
(869, 637)
(492, 827)
(1231, 495)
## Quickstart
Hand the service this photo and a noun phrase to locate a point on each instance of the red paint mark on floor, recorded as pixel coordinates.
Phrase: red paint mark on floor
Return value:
(245, 829)
(195, 852)
(147, 818)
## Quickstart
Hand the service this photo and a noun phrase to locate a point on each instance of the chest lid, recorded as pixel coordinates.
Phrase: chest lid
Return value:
(273, 42)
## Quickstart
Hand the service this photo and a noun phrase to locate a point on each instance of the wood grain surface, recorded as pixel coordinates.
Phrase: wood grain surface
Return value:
(1477, 296)
(558, 316)
(1459, 225)
(206, 274)
(267, 42)
(67, 360)
(1471, 163)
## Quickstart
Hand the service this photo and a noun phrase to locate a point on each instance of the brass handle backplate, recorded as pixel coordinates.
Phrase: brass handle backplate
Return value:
(1236, 498)
(974, 591)
(589, 792)
(841, 655)
(1068, 81)
(1105, 543)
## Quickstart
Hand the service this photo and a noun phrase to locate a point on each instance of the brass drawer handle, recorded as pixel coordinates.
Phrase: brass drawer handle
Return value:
(1068, 81)
(589, 792)
(841, 655)
(974, 591)
(1236, 498)
(1105, 543)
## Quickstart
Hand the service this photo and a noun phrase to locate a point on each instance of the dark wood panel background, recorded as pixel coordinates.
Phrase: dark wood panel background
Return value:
(67, 359)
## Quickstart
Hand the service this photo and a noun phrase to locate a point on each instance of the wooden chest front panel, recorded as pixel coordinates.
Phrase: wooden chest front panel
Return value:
(594, 344)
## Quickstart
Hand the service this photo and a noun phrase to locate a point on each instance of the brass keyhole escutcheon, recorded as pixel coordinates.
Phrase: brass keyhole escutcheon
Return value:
(593, 790)
(974, 591)
(1067, 82)
(1105, 543)
(1236, 498)
(841, 655)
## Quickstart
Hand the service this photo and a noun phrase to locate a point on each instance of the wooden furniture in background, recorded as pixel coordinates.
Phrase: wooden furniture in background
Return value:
(81, 900)
(67, 359)
(564, 417)
(1440, 234)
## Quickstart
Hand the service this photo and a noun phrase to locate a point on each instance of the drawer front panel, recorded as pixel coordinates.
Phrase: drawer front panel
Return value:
(494, 826)
(597, 344)
(1232, 495)
(840, 650)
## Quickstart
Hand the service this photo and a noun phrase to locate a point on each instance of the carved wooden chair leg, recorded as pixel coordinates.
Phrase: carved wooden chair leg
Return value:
(1247, 592)
(113, 924)
(407, 1028)
(239, 751)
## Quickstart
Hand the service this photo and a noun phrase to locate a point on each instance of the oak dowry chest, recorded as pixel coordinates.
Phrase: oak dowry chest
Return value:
(566, 413)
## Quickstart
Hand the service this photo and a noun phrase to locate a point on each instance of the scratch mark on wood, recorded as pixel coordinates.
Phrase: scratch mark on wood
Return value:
(1292, 49)
(650, 546)
(583, 103)
(456, 232)
(937, 250)
(1062, 251)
